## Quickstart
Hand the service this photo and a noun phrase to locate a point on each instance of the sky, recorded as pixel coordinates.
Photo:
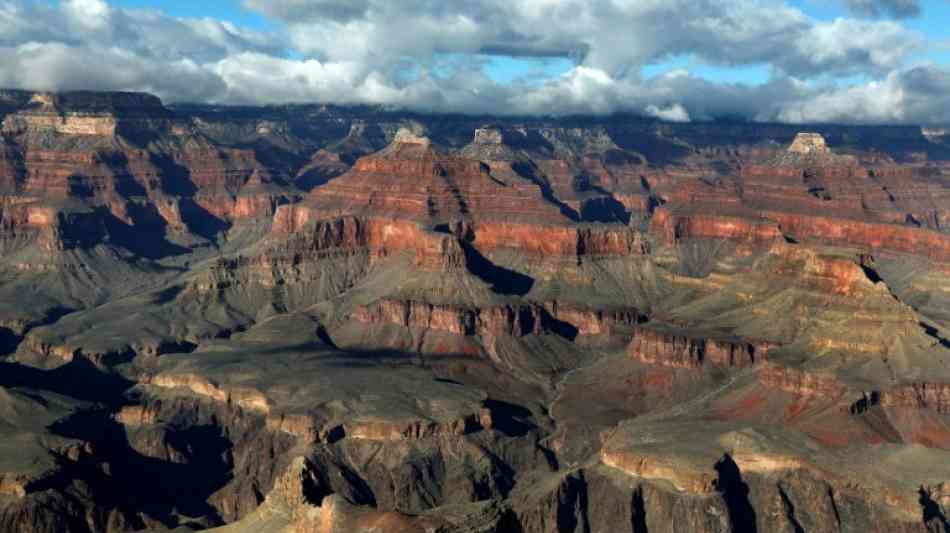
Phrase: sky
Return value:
(848, 61)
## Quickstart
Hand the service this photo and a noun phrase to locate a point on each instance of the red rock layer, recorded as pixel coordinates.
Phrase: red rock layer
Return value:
(935, 396)
(700, 223)
(869, 203)
(868, 235)
(680, 350)
(412, 180)
(821, 273)
(767, 226)
(801, 382)
(517, 320)
(563, 241)
(595, 321)
(380, 237)
(387, 234)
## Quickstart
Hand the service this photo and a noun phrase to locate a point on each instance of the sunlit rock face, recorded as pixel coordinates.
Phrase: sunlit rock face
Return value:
(809, 144)
(322, 318)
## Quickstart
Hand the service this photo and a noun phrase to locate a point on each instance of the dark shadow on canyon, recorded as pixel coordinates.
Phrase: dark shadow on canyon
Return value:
(735, 492)
(502, 280)
(932, 512)
(78, 379)
(165, 490)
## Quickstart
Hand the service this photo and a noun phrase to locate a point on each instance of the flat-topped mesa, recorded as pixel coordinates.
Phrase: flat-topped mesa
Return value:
(809, 144)
(82, 101)
(65, 124)
(491, 145)
(407, 144)
(809, 152)
(407, 136)
(936, 135)
(573, 142)
(488, 136)
(78, 113)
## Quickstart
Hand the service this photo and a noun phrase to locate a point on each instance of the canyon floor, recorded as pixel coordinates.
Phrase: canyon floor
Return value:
(341, 319)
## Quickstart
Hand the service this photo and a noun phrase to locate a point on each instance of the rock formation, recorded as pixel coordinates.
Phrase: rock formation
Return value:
(809, 144)
(323, 318)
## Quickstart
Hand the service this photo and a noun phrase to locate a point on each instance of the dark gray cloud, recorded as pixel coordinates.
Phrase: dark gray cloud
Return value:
(885, 8)
(424, 54)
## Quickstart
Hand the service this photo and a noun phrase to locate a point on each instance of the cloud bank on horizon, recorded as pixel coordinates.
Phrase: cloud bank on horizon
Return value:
(428, 55)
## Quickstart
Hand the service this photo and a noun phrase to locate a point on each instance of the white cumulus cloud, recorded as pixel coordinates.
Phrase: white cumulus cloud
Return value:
(428, 55)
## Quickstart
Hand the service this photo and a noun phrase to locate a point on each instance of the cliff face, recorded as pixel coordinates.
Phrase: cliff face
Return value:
(518, 321)
(808, 193)
(492, 321)
(320, 318)
(687, 351)
(379, 237)
(411, 179)
(801, 383)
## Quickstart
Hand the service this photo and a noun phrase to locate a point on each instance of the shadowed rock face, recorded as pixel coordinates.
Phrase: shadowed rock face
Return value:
(335, 319)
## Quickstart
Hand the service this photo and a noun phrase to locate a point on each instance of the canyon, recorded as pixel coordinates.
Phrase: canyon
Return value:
(317, 318)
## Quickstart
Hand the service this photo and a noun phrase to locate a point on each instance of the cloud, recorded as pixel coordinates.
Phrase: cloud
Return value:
(673, 113)
(58, 66)
(618, 37)
(428, 55)
(885, 8)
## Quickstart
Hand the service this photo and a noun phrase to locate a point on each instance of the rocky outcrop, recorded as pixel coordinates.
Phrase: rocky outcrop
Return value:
(80, 113)
(680, 349)
(244, 398)
(822, 273)
(526, 319)
(868, 236)
(384, 236)
(557, 241)
(933, 396)
(801, 382)
(673, 225)
(501, 320)
(412, 180)
(590, 321)
(769, 226)
(654, 466)
(296, 229)
(388, 430)
(809, 144)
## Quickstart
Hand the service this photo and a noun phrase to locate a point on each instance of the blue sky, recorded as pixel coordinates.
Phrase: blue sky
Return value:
(934, 23)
